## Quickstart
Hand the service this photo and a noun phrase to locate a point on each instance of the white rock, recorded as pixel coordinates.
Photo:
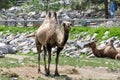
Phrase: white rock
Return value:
(34, 50)
(106, 33)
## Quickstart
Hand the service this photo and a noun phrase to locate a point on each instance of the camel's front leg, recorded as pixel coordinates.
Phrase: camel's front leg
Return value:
(57, 59)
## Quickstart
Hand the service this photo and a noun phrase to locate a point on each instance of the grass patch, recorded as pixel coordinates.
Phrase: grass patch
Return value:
(94, 62)
(9, 62)
(4, 78)
(40, 79)
(15, 30)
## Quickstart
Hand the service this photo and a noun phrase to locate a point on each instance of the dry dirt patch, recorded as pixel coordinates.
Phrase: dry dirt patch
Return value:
(29, 72)
(67, 73)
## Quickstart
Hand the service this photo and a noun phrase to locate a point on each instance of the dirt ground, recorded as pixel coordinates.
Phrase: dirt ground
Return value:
(29, 72)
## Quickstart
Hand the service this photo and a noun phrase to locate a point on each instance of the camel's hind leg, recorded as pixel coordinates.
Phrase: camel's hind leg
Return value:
(45, 58)
(38, 46)
(49, 59)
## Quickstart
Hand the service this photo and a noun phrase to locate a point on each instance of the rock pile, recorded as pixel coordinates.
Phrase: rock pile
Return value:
(12, 43)
(18, 13)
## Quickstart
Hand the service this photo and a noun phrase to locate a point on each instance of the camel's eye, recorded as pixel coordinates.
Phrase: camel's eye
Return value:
(89, 43)
(70, 24)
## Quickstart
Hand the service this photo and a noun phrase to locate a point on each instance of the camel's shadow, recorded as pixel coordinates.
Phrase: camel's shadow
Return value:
(61, 77)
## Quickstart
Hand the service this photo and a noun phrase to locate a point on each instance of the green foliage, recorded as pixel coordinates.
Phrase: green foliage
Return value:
(114, 31)
(78, 4)
(40, 79)
(55, 7)
(36, 5)
(46, 5)
(83, 4)
(117, 1)
(4, 78)
(6, 3)
(15, 30)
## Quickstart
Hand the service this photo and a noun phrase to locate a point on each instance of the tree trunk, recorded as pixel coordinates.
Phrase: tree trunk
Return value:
(106, 9)
(47, 6)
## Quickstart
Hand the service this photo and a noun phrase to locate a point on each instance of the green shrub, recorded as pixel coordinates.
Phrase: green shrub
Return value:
(15, 30)
(114, 31)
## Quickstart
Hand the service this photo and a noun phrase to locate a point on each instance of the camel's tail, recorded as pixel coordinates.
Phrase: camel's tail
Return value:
(32, 35)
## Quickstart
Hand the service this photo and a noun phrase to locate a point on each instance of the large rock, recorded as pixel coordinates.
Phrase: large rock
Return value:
(43, 14)
(6, 49)
(3, 48)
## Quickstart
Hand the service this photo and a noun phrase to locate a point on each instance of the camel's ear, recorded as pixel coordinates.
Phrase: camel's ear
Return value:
(94, 40)
(112, 41)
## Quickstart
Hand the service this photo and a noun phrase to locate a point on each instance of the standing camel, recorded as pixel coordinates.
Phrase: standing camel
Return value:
(51, 34)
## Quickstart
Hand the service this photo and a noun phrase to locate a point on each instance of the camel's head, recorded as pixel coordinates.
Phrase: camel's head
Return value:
(91, 44)
(67, 25)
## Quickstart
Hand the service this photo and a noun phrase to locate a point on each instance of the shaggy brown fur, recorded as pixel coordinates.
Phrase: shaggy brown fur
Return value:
(51, 34)
(108, 51)
(109, 44)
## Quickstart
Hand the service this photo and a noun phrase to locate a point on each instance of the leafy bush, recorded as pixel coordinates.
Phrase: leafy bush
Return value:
(17, 29)
(75, 31)
(114, 31)
(6, 3)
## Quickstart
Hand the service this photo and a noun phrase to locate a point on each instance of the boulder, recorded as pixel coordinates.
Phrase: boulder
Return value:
(43, 15)
(6, 49)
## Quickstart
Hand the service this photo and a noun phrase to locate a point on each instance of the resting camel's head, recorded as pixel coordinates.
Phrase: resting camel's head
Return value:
(91, 44)
(67, 25)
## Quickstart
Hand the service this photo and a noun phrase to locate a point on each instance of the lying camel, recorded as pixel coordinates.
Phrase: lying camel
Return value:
(109, 44)
(108, 51)
(51, 34)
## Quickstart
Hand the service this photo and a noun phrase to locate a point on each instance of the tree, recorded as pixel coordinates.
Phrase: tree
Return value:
(35, 4)
(6, 3)
(46, 5)
(106, 9)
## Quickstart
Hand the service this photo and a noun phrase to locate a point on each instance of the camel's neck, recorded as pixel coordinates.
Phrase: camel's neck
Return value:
(65, 38)
(96, 52)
